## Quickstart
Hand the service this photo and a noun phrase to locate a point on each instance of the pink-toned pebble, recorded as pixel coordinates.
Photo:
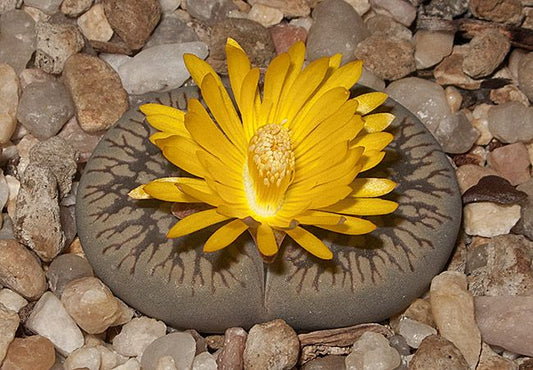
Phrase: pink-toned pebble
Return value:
(285, 35)
(511, 162)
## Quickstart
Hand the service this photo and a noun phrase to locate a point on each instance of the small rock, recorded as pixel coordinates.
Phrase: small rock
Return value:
(414, 331)
(37, 221)
(49, 7)
(58, 156)
(9, 96)
(400, 344)
(84, 357)
(210, 11)
(166, 363)
(525, 225)
(490, 219)
(20, 270)
(372, 351)
(385, 25)
(137, 334)
(9, 322)
(171, 30)
(494, 189)
(402, 11)
(168, 6)
(436, 352)
(330, 362)
(133, 20)
(525, 75)
(99, 98)
(55, 44)
(94, 25)
(285, 35)
(480, 122)
(453, 310)
(114, 60)
(265, 15)
(74, 8)
(335, 17)
(272, 345)
(91, 304)
(44, 108)
(485, 53)
(431, 47)
(419, 310)
(65, 268)
(501, 11)
(450, 72)
(7, 5)
(505, 321)
(470, 174)
(11, 300)
(289, 8)
(455, 133)
(253, 38)
(30, 353)
(82, 142)
(179, 346)
(511, 162)
(17, 39)
(159, 68)
(131, 364)
(454, 98)
(109, 358)
(447, 9)
(511, 122)
(231, 355)
(50, 319)
(508, 93)
(387, 58)
(204, 361)
(490, 360)
(305, 23)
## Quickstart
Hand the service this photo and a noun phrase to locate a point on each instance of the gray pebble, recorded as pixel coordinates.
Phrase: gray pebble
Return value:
(44, 108)
(49, 7)
(17, 39)
(171, 30)
(525, 75)
(65, 268)
(456, 134)
(179, 346)
(511, 122)
(331, 362)
(400, 344)
(7, 5)
(209, 11)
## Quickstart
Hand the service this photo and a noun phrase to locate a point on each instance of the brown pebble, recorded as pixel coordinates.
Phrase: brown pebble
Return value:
(30, 353)
(285, 35)
(511, 162)
(436, 352)
(494, 189)
(231, 356)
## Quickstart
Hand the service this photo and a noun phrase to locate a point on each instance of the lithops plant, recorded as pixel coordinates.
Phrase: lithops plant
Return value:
(299, 159)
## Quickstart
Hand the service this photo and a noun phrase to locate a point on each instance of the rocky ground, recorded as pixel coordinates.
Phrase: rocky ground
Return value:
(68, 70)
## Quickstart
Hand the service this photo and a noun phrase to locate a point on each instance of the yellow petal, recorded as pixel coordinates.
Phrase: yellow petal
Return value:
(319, 218)
(377, 122)
(221, 172)
(139, 193)
(225, 235)
(275, 81)
(154, 139)
(266, 241)
(371, 187)
(376, 141)
(238, 66)
(370, 101)
(168, 124)
(195, 222)
(160, 109)
(198, 68)
(165, 189)
(182, 152)
(198, 189)
(363, 207)
(249, 103)
(371, 159)
(351, 226)
(310, 243)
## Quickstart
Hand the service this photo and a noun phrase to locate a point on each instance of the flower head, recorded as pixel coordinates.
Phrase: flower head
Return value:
(286, 157)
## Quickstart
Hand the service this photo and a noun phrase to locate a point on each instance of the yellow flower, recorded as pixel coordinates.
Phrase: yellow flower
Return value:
(286, 158)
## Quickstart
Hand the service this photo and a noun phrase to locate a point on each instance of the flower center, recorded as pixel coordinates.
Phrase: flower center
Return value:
(270, 169)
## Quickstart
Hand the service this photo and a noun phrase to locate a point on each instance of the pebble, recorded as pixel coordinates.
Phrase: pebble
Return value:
(265, 15)
(74, 8)
(179, 346)
(454, 98)
(9, 95)
(94, 25)
(14, 186)
(456, 134)
(99, 98)
(17, 39)
(419, 310)
(372, 351)
(470, 174)
(159, 68)
(131, 364)
(50, 319)
(525, 75)
(501, 11)
(447, 9)
(525, 225)
(384, 25)
(253, 38)
(49, 7)
(171, 30)
(7, 5)
(9, 323)
(490, 360)
(511, 122)
(65, 268)
(414, 331)
(84, 357)
(20, 270)
(335, 17)
(209, 11)
(44, 108)
(30, 353)
(231, 355)
(91, 304)
(289, 8)
(55, 44)
(480, 122)
(431, 47)
(137, 334)
(272, 345)
(489, 219)
(505, 321)
(485, 52)
(436, 352)
(450, 72)
(168, 6)
(400, 344)
(109, 358)
(402, 11)
(133, 20)
(204, 361)
(511, 162)
(285, 35)
(501, 267)
(12, 300)
(330, 362)
(494, 189)
(453, 310)
(82, 142)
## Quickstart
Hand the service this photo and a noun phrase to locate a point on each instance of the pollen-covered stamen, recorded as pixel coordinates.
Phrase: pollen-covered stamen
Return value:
(270, 168)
